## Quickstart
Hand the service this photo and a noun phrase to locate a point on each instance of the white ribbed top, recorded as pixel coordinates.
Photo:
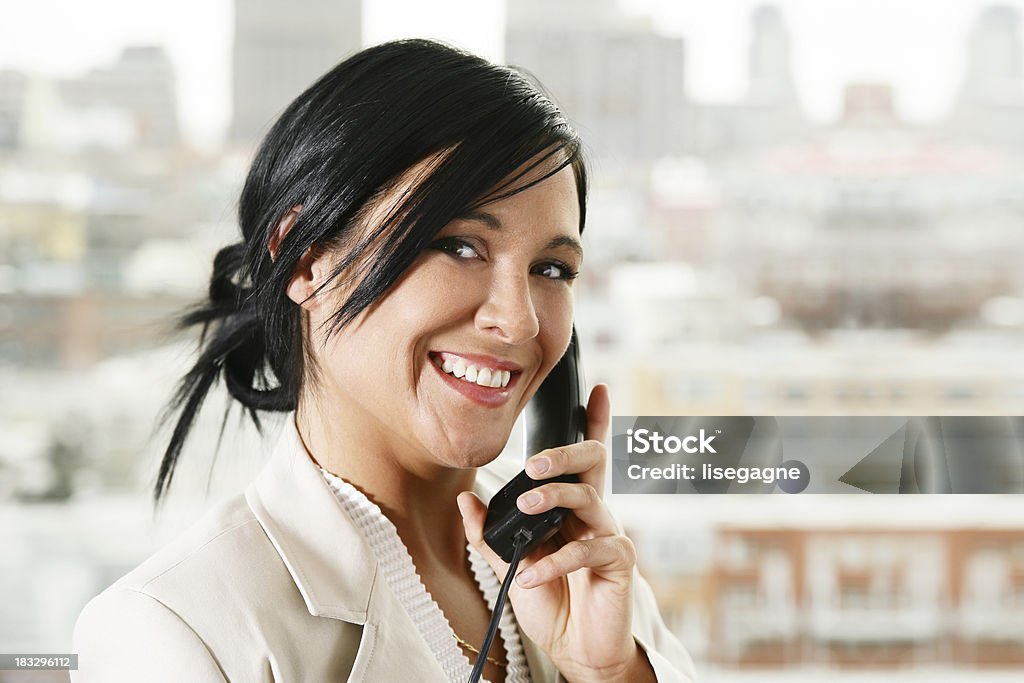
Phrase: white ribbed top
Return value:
(400, 573)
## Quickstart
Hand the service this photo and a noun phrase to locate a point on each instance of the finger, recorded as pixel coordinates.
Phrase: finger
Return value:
(474, 513)
(583, 499)
(605, 555)
(599, 413)
(586, 459)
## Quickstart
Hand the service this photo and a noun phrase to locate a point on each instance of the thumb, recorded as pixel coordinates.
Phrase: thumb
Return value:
(474, 513)
(599, 413)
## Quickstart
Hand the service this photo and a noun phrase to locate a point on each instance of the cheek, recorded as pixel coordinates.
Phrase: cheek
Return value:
(423, 303)
(555, 316)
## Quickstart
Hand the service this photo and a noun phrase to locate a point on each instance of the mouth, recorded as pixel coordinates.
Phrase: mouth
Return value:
(485, 380)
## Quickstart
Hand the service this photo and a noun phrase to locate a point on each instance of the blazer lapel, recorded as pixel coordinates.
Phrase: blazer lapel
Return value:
(331, 563)
(337, 573)
(333, 566)
(542, 669)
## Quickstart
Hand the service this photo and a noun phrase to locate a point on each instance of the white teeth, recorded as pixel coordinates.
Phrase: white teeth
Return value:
(485, 377)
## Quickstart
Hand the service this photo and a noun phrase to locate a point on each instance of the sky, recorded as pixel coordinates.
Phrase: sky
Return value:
(915, 45)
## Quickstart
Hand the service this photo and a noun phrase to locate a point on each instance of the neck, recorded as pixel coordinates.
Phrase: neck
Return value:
(418, 499)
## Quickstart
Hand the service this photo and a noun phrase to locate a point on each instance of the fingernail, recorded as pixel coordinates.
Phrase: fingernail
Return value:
(525, 578)
(529, 499)
(538, 466)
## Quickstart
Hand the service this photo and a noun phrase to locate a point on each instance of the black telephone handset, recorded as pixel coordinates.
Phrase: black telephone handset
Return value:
(554, 417)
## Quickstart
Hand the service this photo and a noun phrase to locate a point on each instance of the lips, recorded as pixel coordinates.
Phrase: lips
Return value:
(487, 396)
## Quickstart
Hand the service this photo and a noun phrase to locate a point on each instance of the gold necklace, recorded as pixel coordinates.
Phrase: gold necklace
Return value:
(475, 651)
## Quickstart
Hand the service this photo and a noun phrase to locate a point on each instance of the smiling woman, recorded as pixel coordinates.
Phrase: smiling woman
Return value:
(410, 235)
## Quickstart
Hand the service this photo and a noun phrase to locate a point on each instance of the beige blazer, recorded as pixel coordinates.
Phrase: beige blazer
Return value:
(279, 585)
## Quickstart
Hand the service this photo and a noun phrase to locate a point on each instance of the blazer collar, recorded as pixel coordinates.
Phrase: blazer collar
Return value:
(331, 563)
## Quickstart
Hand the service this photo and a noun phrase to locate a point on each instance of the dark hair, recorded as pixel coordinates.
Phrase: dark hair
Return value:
(336, 148)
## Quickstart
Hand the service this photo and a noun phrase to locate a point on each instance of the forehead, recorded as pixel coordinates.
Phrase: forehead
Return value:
(545, 204)
(537, 194)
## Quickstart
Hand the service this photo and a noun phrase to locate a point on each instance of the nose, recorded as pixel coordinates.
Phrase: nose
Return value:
(508, 309)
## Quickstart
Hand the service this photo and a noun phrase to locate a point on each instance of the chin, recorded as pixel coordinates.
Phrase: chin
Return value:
(471, 457)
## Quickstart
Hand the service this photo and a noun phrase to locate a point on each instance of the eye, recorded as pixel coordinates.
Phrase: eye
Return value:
(459, 248)
(555, 270)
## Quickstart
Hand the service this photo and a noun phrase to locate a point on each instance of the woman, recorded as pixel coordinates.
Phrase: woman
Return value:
(411, 232)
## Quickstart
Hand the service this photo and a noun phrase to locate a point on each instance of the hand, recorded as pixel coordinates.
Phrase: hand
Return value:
(573, 595)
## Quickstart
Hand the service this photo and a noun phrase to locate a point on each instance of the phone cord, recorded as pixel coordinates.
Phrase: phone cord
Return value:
(521, 539)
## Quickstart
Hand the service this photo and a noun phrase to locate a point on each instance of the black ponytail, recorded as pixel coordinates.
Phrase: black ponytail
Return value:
(336, 148)
(233, 346)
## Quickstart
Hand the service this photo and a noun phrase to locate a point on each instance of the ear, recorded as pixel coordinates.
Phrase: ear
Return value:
(283, 226)
(311, 268)
(310, 272)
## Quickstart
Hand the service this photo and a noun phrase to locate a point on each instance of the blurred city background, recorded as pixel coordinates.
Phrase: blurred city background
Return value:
(765, 237)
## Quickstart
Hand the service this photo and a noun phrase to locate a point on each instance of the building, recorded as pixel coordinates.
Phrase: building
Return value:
(873, 224)
(139, 85)
(769, 114)
(614, 76)
(281, 48)
(13, 90)
(868, 597)
(851, 268)
(990, 103)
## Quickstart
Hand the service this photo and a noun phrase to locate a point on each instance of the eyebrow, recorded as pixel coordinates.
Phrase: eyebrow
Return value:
(494, 223)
